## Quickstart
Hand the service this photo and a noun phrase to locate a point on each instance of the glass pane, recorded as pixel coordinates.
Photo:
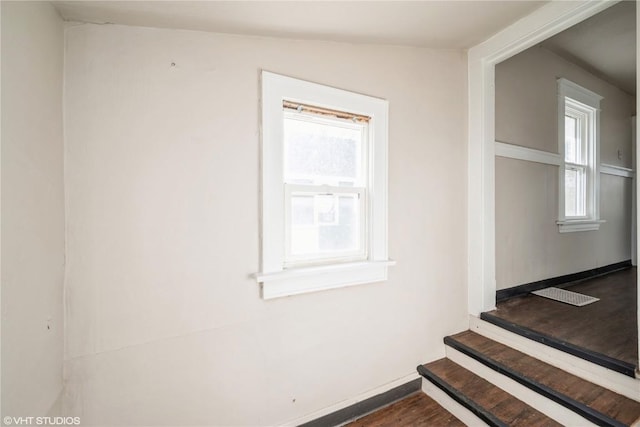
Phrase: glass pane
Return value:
(302, 210)
(327, 210)
(570, 183)
(322, 153)
(574, 192)
(344, 235)
(334, 228)
(571, 149)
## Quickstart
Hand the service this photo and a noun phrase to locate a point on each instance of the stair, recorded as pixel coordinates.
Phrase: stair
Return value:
(502, 386)
(488, 402)
(592, 356)
(595, 403)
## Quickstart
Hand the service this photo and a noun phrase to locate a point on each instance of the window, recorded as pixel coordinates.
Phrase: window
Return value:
(578, 144)
(325, 181)
(324, 187)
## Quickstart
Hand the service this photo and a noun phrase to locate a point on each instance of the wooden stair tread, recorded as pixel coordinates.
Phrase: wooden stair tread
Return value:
(544, 337)
(490, 399)
(416, 410)
(600, 399)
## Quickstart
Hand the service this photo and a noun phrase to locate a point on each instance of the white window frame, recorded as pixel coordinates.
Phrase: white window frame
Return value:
(584, 105)
(277, 278)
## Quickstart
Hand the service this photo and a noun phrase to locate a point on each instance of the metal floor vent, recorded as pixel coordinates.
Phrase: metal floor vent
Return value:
(565, 296)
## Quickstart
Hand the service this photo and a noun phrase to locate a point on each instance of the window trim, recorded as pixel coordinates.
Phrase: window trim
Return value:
(587, 103)
(277, 280)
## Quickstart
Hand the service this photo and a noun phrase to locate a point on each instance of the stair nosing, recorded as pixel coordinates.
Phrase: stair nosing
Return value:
(578, 407)
(574, 350)
(459, 397)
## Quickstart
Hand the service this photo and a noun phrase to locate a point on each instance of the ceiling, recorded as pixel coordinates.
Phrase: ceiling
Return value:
(435, 24)
(604, 44)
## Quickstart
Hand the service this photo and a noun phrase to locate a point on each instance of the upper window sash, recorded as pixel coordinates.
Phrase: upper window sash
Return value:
(577, 144)
(360, 177)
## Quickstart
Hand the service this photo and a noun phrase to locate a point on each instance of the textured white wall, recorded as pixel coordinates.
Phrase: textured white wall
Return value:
(32, 208)
(164, 323)
(528, 244)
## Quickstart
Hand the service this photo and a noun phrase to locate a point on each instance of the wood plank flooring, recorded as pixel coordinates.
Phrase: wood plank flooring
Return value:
(417, 410)
(592, 396)
(608, 326)
(488, 398)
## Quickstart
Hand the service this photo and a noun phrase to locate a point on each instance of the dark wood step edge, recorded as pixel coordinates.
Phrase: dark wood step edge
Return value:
(580, 408)
(583, 353)
(462, 399)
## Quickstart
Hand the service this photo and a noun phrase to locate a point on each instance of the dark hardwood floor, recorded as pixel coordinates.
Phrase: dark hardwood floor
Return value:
(415, 410)
(608, 326)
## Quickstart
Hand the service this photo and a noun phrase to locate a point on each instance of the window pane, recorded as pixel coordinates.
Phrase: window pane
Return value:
(319, 152)
(327, 209)
(574, 192)
(332, 228)
(302, 210)
(343, 236)
(571, 149)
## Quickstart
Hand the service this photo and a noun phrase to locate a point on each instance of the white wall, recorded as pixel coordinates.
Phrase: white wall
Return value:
(528, 244)
(32, 208)
(164, 323)
(526, 104)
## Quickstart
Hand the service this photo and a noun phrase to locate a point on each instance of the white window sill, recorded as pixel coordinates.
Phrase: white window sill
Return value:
(570, 226)
(311, 279)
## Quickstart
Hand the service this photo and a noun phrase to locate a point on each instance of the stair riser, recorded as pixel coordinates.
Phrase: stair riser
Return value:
(444, 400)
(614, 381)
(533, 399)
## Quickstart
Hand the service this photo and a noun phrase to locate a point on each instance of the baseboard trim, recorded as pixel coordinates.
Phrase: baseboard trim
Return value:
(515, 291)
(583, 353)
(366, 406)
